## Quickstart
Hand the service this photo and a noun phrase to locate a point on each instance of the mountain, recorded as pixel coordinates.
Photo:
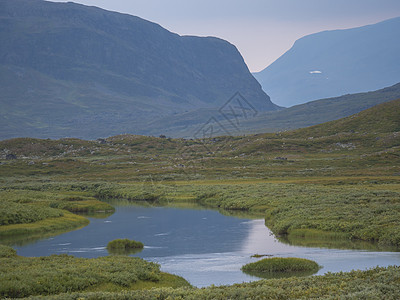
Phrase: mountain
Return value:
(319, 111)
(298, 116)
(72, 70)
(334, 63)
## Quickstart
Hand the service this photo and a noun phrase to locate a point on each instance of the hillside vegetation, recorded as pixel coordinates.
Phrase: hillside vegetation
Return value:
(26, 276)
(332, 185)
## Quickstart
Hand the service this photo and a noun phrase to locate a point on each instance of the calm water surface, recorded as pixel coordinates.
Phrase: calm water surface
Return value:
(203, 246)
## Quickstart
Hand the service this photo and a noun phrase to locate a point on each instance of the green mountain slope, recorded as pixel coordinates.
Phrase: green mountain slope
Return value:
(383, 118)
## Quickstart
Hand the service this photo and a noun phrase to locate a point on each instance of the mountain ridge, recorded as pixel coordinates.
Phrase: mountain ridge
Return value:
(298, 116)
(333, 63)
(98, 73)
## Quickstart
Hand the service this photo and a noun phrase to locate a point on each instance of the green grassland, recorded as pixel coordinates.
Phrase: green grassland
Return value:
(331, 185)
(26, 276)
(378, 283)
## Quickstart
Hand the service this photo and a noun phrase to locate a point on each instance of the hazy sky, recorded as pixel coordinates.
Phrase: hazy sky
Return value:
(262, 30)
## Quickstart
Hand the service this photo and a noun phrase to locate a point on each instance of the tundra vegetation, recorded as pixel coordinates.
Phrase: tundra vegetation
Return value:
(281, 265)
(331, 185)
(124, 246)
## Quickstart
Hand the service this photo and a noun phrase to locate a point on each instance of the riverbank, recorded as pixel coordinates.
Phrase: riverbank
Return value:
(32, 212)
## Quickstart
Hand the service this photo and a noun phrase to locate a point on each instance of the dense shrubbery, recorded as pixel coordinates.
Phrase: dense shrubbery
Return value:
(37, 209)
(120, 246)
(7, 252)
(23, 276)
(138, 192)
(17, 213)
(282, 264)
(378, 283)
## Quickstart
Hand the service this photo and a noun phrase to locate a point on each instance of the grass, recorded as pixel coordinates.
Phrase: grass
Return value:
(67, 222)
(324, 186)
(26, 276)
(281, 265)
(124, 246)
(31, 211)
(377, 283)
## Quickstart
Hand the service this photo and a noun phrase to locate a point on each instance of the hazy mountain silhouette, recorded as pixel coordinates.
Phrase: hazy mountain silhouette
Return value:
(334, 63)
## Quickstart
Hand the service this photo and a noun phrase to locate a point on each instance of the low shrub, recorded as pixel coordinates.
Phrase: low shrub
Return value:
(25, 276)
(280, 264)
(6, 251)
(124, 244)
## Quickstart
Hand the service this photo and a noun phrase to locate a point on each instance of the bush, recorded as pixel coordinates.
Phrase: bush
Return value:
(279, 264)
(6, 251)
(124, 244)
(25, 276)
(16, 213)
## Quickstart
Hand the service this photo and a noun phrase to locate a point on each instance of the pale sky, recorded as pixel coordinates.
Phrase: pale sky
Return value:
(262, 30)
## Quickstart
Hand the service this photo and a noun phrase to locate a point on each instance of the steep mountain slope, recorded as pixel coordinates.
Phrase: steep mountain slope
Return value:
(72, 70)
(334, 63)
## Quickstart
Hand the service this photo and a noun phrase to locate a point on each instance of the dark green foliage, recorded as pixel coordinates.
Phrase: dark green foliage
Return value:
(21, 277)
(279, 264)
(378, 283)
(7, 252)
(36, 210)
(18, 213)
(124, 245)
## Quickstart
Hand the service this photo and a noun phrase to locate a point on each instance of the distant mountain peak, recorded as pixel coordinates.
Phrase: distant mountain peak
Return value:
(349, 61)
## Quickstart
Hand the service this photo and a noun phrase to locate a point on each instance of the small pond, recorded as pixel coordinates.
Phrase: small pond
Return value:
(201, 245)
